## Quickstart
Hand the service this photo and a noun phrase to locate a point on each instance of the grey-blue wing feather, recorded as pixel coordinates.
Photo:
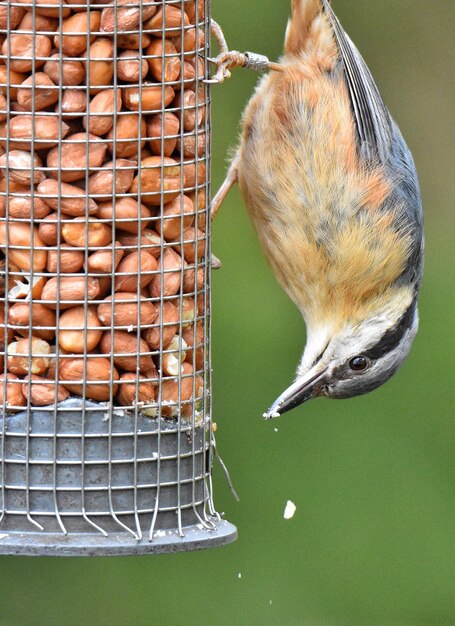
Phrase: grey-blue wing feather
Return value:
(373, 122)
(405, 202)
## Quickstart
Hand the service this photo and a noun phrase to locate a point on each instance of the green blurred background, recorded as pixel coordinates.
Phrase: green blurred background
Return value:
(373, 540)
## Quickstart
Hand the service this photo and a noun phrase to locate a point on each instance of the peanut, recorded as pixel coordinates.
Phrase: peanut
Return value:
(21, 234)
(73, 104)
(115, 178)
(72, 200)
(195, 173)
(97, 377)
(80, 232)
(72, 291)
(151, 98)
(43, 391)
(75, 44)
(10, 80)
(133, 41)
(46, 132)
(29, 48)
(15, 16)
(42, 22)
(102, 108)
(130, 215)
(158, 174)
(37, 91)
(127, 17)
(13, 387)
(100, 262)
(101, 71)
(6, 332)
(191, 145)
(149, 241)
(187, 100)
(24, 358)
(70, 159)
(79, 329)
(30, 289)
(65, 260)
(191, 41)
(3, 108)
(195, 10)
(174, 393)
(126, 278)
(178, 215)
(128, 129)
(49, 228)
(194, 338)
(193, 280)
(169, 279)
(32, 316)
(21, 167)
(193, 245)
(172, 359)
(128, 353)
(130, 393)
(167, 21)
(162, 133)
(163, 60)
(27, 207)
(43, 8)
(130, 68)
(122, 309)
(68, 72)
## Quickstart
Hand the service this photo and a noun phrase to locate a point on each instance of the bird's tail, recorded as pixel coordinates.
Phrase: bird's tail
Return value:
(308, 29)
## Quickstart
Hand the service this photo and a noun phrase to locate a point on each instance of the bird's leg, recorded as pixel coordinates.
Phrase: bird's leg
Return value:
(228, 59)
(232, 177)
(229, 181)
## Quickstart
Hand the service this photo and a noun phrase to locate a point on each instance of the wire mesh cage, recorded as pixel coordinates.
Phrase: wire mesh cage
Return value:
(106, 433)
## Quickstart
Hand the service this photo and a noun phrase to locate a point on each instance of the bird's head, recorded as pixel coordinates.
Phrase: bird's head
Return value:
(353, 360)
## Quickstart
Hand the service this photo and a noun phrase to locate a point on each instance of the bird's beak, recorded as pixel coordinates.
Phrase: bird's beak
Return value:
(303, 389)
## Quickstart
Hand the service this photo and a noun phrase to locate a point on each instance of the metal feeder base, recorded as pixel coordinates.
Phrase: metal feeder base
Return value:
(116, 544)
(80, 479)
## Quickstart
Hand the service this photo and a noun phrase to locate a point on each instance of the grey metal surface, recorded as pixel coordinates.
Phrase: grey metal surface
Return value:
(178, 455)
(116, 544)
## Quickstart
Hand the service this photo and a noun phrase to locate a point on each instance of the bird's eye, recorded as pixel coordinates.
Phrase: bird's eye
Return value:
(358, 363)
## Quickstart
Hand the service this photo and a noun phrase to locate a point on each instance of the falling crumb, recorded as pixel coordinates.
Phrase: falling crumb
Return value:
(270, 601)
(290, 510)
(275, 429)
(240, 574)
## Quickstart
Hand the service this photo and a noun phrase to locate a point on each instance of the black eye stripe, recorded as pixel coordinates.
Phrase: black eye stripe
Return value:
(390, 339)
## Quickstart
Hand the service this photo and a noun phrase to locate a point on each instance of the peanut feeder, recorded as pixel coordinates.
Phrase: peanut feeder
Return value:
(105, 429)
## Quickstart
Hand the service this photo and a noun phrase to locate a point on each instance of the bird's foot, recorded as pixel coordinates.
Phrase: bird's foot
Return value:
(228, 59)
(215, 262)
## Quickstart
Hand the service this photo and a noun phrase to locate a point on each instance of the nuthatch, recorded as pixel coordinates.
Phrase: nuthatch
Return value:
(332, 192)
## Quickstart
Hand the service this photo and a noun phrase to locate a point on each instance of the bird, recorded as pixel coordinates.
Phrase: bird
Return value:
(332, 192)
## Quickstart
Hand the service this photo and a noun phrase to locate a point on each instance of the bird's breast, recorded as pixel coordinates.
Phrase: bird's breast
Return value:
(318, 211)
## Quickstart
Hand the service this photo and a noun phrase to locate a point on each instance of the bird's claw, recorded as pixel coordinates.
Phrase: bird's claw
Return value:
(215, 262)
(224, 62)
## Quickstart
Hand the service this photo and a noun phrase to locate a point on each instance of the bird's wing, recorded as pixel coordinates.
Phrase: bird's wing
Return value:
(373, 122)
